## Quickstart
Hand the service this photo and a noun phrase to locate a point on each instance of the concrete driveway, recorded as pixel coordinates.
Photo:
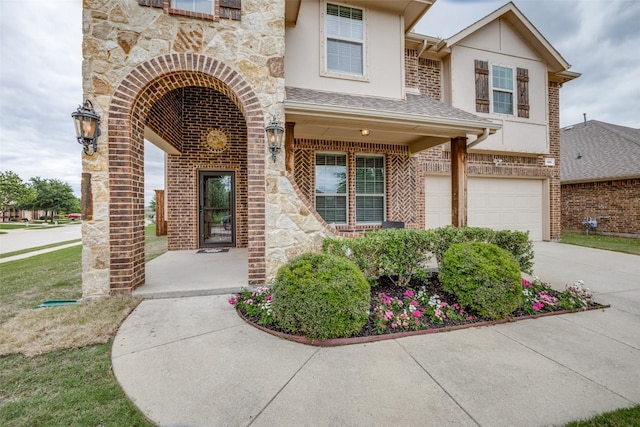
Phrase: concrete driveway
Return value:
(193, 362)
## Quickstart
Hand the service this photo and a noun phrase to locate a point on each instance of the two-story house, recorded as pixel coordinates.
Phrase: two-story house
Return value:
(381, 125)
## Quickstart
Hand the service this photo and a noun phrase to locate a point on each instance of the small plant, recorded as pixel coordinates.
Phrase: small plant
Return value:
(575, 297)
(320, 296)
(484, 278)
(400, 254)
(537, 296)
(414, 311)
(255, 303)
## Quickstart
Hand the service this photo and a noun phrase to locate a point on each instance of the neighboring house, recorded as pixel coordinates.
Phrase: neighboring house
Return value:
(600, 177)
(381, 124)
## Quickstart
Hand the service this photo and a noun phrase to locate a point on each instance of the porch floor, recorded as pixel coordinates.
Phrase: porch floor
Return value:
(189, 273)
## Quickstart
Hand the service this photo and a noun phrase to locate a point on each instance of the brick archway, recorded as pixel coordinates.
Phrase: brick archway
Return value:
(130, 105)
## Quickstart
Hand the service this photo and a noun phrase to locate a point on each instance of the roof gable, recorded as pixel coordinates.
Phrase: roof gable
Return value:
(510, 14)
(598, 151)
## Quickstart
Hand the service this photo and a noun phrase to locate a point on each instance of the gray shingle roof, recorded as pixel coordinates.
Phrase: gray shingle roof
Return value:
(414, 104)
(599, 151)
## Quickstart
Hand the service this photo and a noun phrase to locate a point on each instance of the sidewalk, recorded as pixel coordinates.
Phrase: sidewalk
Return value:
(193, 362)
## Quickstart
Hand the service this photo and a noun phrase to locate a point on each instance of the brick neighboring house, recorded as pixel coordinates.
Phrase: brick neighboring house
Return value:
(381, 124)
(600, 177)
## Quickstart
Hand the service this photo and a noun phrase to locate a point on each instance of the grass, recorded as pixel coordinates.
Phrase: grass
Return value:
(5, 226)
(55, 363)
(25, 251)
(599, 241)
(626, 417)
(71, 387)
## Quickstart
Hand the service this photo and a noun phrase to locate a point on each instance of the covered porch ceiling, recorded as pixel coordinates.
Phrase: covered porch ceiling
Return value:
(418, 122)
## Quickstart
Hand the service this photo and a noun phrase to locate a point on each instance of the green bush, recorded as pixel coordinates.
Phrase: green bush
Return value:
(320, 296)
(483, 277)
(516, 242)
(400, 254)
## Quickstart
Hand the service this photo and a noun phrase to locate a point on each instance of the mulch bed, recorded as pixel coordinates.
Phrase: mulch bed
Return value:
(368, 333)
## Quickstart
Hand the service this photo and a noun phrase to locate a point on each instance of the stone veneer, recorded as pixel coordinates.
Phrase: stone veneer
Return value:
(137, 57)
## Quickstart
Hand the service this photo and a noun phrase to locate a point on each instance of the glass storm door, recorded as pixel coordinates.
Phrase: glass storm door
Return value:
(217, 214)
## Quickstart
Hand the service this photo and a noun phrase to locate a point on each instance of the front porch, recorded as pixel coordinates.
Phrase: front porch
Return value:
(189, 273)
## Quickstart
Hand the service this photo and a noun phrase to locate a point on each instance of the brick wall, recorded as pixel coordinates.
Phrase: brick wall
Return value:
(402, 198)
(129, 110)
(554, 152)
(204, 110)
(616, 205)
(423, 74)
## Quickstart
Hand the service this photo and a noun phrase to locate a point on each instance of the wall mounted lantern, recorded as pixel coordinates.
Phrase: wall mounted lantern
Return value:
(87, 127)
(275, 134)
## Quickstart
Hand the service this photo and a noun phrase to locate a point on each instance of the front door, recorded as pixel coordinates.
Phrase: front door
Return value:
(217, 213)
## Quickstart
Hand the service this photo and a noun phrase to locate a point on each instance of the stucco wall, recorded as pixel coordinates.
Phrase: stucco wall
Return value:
(304, 64)
(498, 44)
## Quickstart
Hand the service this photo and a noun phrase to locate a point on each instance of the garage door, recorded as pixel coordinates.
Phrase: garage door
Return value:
(498, 203)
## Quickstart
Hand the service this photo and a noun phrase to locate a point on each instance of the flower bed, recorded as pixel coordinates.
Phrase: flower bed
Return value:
(419, 309)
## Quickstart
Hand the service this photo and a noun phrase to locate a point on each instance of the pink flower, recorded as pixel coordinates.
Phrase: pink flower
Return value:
(416, 322)
(416, 314)
(456, 306)
(414, 303)
(388, 315)
(408, 293)
(403, 315)
(267, 298)
(444, 304)
(250, 301)
(233, 300)
(469, 318)
(526, 283)
(394, 326)
(537, 306)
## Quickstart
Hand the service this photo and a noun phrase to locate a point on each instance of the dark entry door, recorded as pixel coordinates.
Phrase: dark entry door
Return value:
(217, 213)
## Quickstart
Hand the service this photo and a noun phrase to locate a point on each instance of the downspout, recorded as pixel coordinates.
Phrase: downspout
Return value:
(481, 138)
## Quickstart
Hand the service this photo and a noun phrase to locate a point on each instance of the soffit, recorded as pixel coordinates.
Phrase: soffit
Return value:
(411, 10)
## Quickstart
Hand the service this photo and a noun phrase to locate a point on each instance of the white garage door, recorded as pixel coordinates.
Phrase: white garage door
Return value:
(498, 203)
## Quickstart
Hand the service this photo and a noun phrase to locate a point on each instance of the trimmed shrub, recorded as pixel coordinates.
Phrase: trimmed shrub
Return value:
(483, 277)
(400, 254)
(516, 242)
(320, 296)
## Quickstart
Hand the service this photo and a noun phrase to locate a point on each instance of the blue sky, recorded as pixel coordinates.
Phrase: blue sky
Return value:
(41, 65)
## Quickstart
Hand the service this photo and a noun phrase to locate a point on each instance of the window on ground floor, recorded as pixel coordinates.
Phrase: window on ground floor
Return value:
(331, 187)
(369, 189)
(334, 186)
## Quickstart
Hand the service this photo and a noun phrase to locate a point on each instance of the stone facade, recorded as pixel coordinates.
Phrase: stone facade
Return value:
(137, 60)
(615, 204)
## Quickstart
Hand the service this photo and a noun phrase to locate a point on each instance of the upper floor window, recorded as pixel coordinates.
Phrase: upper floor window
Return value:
(502, 84)
(197, 6)
(344, 39)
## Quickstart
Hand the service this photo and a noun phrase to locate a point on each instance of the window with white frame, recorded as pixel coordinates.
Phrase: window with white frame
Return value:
(198, 6)
(369, 189)
(502, 89)
(331, 187)
(344, 39)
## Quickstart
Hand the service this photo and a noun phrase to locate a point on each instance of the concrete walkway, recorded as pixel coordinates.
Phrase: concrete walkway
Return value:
(193, 362)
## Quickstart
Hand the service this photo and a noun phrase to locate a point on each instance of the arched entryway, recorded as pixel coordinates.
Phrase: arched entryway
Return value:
(148, 87)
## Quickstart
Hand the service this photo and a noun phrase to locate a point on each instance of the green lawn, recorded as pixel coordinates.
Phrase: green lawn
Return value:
(24, 251)
(599, 241)
(73, 386)
(628, 417)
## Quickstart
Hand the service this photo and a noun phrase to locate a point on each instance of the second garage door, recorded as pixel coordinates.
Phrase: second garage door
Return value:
(498, 203)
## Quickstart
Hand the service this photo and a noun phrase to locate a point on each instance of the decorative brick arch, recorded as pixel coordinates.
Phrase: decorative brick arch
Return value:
(130, 105)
